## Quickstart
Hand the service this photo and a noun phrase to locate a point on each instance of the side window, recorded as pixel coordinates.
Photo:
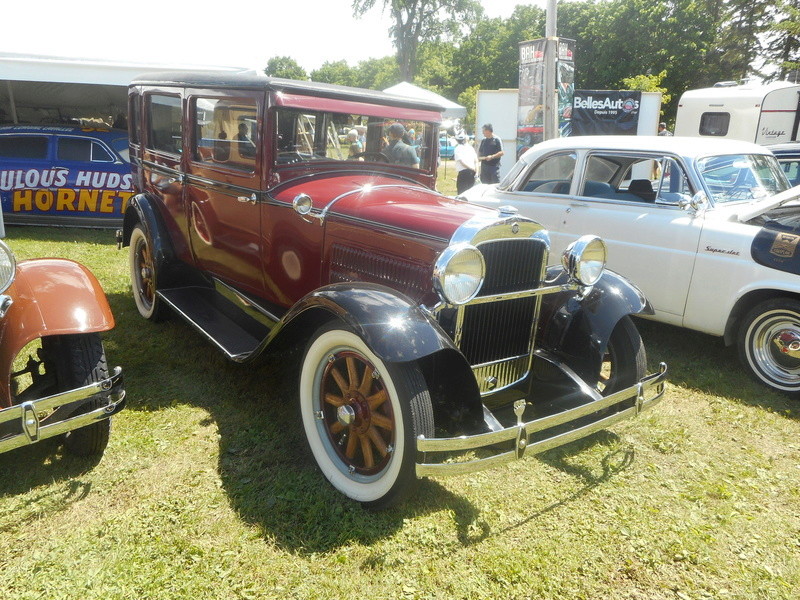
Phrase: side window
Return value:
(715, 123)
(134, 114)
(674, 185)
(226, 132)
(622, 177)
(82, 150)
(164, 123)
(297, 133)
(553, 175)
(791, 167)
(23, 146)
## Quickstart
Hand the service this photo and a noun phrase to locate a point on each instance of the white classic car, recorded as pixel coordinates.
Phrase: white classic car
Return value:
(708, 229)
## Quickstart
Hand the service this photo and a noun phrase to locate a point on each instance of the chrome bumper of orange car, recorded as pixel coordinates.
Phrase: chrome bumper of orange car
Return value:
(648, 392)
(28, 413)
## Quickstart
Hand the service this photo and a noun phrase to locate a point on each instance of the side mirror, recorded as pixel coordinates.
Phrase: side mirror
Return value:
(698, 201)
(302, 204)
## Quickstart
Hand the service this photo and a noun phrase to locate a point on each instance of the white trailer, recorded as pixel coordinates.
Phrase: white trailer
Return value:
(764, 114)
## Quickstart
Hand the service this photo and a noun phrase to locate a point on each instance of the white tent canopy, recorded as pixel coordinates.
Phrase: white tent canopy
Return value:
(450, 109)
(40, 89)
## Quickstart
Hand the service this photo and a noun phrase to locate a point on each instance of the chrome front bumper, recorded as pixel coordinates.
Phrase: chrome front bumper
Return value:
(27, 413)
(648, 392)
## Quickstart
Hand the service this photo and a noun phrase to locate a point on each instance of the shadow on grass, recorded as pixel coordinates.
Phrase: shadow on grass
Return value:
(32, 470)
(268, 474)
(703, 362)
(61, 234)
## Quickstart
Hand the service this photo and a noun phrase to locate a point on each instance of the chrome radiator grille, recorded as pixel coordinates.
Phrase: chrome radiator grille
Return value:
(496, 337)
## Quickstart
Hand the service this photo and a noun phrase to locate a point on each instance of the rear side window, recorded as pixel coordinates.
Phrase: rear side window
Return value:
(226, 132)
(164, 123)
(77, 149)
(715, 123)
(23, 146)
(791, 167)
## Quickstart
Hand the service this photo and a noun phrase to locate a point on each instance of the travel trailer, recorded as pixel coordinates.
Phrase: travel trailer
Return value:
(764, 114)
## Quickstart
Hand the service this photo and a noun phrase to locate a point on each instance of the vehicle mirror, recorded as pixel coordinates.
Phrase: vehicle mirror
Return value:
(696, 202)
(302, 204)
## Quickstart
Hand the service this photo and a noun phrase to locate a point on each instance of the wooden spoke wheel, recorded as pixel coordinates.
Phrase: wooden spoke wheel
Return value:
(362, 416)
(144, 276)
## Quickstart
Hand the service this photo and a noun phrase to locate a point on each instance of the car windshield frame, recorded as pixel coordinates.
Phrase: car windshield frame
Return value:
(747, 177)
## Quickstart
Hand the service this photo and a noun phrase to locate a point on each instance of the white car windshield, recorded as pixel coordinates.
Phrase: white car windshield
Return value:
(741, 177)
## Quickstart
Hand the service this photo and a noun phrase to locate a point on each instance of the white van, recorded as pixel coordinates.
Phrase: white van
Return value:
(764, 114)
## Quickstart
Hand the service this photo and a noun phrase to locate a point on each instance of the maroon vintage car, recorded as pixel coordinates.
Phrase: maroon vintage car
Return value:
(283, 211)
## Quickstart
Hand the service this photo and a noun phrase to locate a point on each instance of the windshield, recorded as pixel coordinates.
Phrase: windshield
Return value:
(741, 177)
(310, 136)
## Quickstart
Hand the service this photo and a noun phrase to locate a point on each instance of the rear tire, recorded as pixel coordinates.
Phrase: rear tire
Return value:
(79, 360)
(144, 276)
(768, 328)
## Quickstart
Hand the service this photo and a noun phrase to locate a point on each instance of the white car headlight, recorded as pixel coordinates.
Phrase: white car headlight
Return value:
(585, 259)
(458, 273)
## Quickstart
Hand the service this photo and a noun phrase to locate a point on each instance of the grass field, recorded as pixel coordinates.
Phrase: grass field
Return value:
(206, 490)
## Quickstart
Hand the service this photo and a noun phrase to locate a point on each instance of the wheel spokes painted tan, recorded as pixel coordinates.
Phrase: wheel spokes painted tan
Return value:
(366, 452)
(382, 422)
(352, 441)
(377, 399)
(377, 440)
(334, 400)
(340, 380)
(366, 381)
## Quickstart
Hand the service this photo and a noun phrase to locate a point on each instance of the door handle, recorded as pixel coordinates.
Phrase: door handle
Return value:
(252, 198)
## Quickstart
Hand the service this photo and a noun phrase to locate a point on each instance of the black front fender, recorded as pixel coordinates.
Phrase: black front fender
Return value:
(577, 328)
(391, 324)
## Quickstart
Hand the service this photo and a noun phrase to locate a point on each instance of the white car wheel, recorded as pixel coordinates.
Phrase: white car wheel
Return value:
(769, 343)
(361, 416)
(143, 276)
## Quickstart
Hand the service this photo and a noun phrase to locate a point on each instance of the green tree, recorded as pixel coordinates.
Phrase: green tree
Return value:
(286, 67)
(337, 72)
(469, 100)
(418, 21)
(782, 50)
(377, 73)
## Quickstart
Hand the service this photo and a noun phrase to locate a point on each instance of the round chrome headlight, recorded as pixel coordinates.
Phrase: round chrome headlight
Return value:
(585, 259)
(458, 273)
(8, 266)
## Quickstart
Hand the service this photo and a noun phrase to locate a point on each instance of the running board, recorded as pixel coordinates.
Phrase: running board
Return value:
(219, 320)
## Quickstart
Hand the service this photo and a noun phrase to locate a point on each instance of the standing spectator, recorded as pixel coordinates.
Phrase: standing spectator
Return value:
(662, 129)
(466, 164)
(489, 153)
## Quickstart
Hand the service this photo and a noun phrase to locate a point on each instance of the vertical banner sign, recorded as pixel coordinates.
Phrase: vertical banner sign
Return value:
(602, 112)
(530, 111)
(565, 80)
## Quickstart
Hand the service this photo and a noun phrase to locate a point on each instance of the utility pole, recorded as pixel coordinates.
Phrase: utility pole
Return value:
(550, 57)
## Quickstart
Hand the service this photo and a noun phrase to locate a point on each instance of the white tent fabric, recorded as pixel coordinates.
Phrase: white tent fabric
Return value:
(50, 89)
(409, 90)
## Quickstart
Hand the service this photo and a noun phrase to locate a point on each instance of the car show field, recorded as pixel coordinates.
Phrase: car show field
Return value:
(206, 488)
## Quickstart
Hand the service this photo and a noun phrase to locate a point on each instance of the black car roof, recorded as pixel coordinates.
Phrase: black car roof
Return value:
(255, 80)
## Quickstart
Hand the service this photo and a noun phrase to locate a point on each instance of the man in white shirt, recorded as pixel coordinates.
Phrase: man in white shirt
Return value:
(466, 161)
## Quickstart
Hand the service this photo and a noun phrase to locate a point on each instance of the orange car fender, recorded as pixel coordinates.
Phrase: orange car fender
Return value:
(51, 296)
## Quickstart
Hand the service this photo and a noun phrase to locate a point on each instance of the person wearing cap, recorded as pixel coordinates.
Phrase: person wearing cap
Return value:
(489, 153)
(466, 164)
(399, 152)
(662, 129)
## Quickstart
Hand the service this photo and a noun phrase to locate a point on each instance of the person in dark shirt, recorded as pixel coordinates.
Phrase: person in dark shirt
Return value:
(489, 153)
(399, 152)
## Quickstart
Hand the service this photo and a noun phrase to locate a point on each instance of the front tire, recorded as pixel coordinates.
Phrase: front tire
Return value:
(625, 360)
(769, 344)
(78, 360)
(362, 416)
(144, 276)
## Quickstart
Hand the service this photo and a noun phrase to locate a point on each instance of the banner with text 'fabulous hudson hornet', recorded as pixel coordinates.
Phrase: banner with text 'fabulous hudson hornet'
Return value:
(63, 175)
(603, 112)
